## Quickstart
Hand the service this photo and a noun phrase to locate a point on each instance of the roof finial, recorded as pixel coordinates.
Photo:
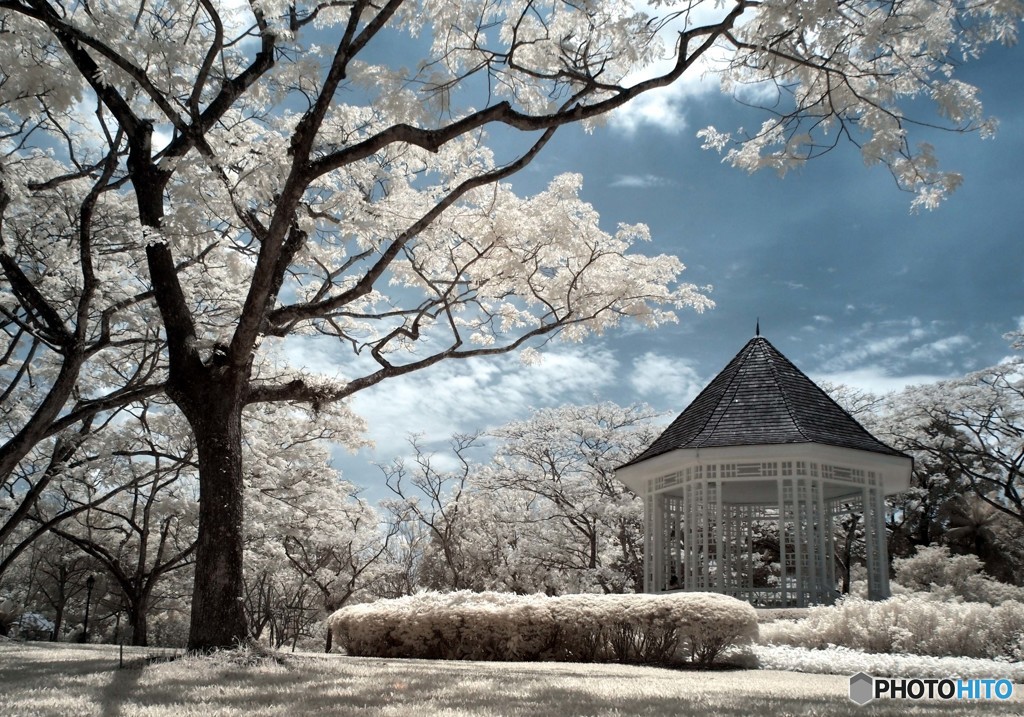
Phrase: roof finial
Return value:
(757, 330)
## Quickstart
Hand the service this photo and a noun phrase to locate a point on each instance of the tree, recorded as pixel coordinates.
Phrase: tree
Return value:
(77, 339)
(141, 535)
(977, 528)
(294, 178)
(545, 514)
(311, 542)
(918, 516)
(566, 457)
(432, 500)
(974, 426)
(58, 576)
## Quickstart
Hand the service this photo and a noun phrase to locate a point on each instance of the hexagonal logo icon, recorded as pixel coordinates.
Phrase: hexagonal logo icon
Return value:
(862, 688)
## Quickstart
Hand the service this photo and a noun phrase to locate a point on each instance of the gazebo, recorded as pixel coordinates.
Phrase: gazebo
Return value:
(762, 448)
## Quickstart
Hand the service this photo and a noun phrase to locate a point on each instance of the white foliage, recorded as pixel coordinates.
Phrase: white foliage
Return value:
(919, 624)
(684, 627)
(933, 569)
(846, 661)
(261, 172)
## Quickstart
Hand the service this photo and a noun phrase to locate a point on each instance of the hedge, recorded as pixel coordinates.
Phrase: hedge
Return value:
(670, 629)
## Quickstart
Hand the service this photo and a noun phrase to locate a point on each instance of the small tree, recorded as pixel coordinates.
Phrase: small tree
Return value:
(433, 501)
(566, 459)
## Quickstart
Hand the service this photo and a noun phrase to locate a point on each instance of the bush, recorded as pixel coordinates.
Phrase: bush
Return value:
(933, 569)
(694, 628)
(919, 624)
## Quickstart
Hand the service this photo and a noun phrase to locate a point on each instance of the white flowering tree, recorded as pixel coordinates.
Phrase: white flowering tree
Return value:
(588, 524)
(311, 542)
(432, 503)
(973, 426)
(324, 168)
(143, 533)
(545, 514)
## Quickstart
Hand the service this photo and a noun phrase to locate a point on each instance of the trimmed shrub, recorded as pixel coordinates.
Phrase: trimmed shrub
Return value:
(681, 628)
(918, 624)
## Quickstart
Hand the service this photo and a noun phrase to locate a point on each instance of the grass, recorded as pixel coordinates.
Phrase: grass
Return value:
(42, 680)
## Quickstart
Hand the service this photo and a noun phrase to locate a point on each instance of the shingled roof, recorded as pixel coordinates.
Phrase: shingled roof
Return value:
(761, 398)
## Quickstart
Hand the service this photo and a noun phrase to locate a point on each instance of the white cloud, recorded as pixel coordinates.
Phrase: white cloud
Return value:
(466, 396)
(315, 354)
(875, 379)
(938, 349)
(634, 181)
(820, 321)
(895, 353)
(865, 350)
(668, 383)
(663, 108)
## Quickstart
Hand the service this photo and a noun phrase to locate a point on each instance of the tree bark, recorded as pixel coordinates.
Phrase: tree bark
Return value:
(137, 610)
(218, 609)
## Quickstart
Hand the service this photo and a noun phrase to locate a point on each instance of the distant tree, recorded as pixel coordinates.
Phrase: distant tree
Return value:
(920, 515)
(974, 428)
(140, 536)
(917, 516)
(63, 478)
(566, 458)
(545, 514)
(50, 579)
(859, 403)
(433, 500)
(266, 171)
(975, 527)
(311, 542)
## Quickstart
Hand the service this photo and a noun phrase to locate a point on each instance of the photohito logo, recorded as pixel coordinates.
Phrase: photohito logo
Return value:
(864, 688)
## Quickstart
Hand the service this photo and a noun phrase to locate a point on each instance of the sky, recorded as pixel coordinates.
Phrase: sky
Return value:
(844, 280)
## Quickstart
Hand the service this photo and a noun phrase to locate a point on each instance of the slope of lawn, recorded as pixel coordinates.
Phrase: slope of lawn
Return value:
(85, 680)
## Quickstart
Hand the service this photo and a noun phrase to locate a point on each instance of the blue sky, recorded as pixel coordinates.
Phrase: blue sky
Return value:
(847, 283)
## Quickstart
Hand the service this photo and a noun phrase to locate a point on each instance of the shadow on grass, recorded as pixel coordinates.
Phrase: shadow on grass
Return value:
(341, 686)
(47, 661)
(120, 690)
(361, 687)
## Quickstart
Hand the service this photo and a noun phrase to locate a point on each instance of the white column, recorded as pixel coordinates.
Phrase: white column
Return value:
(749, 527)
(874, 545)
(675, 535)
(878, 572)
(649, 531)
(823, 520)
(799, 539)
(782, 542)
(658, 548)
(720, 567)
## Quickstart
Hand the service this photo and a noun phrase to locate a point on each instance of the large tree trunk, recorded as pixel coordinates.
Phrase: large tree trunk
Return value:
(58, 622)
(218, 609)
(210, 392)
(137, 610)
(138, 614)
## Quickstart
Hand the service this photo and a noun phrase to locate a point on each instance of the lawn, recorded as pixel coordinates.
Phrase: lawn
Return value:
(71, 680)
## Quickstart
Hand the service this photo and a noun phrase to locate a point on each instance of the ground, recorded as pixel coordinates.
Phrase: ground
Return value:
(42, 680)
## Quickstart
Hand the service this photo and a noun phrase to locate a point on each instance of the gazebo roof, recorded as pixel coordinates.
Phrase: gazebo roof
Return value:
(761, 398)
